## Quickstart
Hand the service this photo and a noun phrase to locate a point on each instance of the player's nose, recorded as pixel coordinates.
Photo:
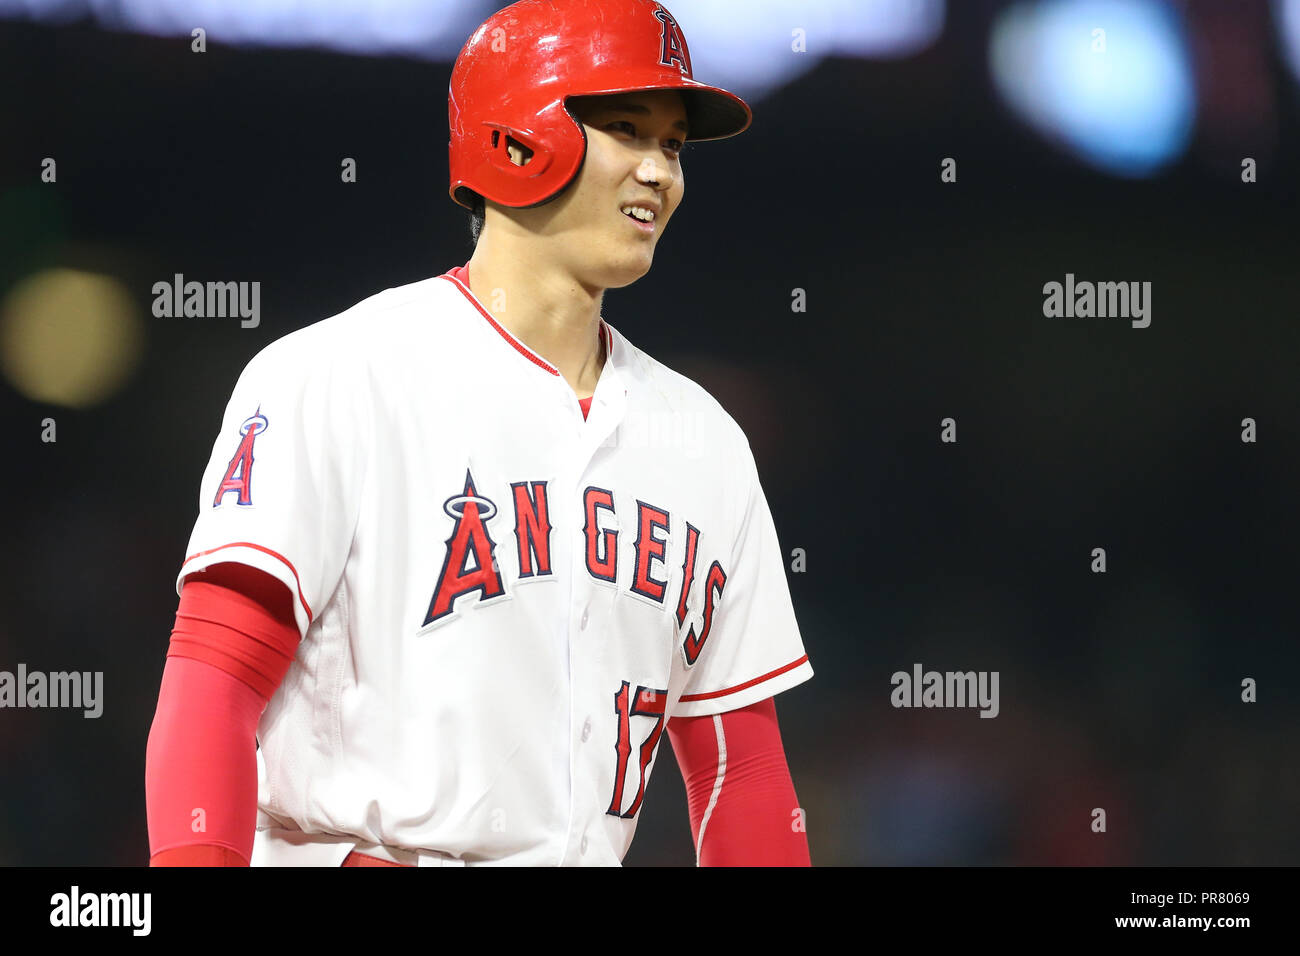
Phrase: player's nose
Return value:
(654, 174)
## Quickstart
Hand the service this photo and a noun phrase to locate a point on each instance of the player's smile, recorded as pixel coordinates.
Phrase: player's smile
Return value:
(642, 215)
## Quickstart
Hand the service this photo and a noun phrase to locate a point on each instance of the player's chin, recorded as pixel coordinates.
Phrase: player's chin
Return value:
(629, 267)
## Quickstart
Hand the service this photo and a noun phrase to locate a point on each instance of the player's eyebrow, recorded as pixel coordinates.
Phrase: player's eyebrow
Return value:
(641, 110)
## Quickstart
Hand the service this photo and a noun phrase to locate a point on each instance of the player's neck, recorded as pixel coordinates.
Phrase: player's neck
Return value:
(547, 310)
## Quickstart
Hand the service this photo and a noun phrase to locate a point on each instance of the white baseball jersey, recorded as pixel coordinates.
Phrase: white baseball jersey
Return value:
(501, 602)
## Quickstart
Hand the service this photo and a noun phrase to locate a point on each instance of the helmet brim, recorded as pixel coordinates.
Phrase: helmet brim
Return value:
(714, 113)
(711, 112)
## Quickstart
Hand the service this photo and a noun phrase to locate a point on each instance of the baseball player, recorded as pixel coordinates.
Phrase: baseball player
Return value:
(465, 555)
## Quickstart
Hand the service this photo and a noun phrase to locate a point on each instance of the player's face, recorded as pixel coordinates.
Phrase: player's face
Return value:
(633, 146)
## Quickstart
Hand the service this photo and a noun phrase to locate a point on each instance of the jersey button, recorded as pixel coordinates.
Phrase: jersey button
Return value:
(582, 847)
(582, 624)
(586, 730)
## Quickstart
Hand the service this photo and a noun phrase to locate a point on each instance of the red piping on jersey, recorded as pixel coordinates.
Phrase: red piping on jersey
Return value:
(749, 683)
(518, 346)
(459, 276)
(257, 547)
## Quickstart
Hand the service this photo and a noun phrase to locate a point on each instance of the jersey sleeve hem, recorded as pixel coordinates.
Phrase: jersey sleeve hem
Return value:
(255, 556)
(744, 694)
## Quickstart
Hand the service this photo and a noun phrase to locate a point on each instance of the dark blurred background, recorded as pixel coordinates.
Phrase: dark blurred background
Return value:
(1118, 162)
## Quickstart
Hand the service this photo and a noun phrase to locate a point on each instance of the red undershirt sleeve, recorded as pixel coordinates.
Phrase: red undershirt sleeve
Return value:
(234, 638)
(739, 792)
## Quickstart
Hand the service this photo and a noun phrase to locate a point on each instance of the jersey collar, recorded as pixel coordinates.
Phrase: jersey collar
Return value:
(459, 277)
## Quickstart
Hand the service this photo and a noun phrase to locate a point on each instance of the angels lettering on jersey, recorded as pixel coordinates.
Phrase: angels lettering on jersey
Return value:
(469, 566)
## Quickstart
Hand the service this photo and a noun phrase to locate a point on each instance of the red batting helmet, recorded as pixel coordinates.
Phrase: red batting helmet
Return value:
(515, 75)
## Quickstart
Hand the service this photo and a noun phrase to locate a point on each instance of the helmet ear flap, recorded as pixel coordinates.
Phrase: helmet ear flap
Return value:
(516, 161)
(517, 153)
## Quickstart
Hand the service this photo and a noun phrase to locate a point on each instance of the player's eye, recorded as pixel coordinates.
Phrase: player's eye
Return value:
(675, 146)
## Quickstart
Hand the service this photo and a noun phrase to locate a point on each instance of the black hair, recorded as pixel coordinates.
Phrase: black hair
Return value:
(476, 218)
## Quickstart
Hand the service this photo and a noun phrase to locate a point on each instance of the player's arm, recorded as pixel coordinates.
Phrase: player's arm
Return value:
(277, 505)
(739, 792)
(233, 641)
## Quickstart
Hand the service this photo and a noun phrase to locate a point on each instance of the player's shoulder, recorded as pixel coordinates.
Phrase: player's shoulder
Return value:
(665, 390)
(344, 339)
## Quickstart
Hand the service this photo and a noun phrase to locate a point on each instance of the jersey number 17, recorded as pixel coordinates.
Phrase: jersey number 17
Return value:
(647, 702)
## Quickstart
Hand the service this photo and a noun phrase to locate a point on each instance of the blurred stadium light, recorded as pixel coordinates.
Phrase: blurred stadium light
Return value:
(1286, 13)
(1110, 80)
(69, 337)
(754, 51)
(406, 27)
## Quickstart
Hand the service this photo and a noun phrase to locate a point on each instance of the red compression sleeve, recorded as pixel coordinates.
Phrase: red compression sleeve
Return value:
(238, 619)
(234, 639)
(741, 798)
